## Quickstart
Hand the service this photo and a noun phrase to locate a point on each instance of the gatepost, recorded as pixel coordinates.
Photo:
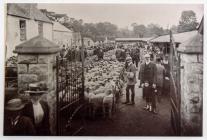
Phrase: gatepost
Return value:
(191, 56)
(36, 62)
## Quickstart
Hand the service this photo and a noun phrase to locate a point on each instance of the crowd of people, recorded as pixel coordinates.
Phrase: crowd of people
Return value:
(74, 53)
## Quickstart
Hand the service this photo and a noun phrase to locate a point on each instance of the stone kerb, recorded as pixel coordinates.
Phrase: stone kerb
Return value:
(35, 65)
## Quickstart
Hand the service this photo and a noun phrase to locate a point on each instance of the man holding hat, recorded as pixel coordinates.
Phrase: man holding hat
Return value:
(131, 80)
(37, 109)
(15, 123)
(147, 80)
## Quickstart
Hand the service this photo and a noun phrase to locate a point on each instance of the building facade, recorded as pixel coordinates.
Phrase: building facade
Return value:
(23, 22)
(62, 36)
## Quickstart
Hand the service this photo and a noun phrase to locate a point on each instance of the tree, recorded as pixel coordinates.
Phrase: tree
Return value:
(89, 30)
(139, 30)
(125, 32)
(188, 21)
(174, 28)
(154, 29)
(106, 29)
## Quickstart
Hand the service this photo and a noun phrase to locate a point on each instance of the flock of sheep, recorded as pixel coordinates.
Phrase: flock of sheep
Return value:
(103, 85)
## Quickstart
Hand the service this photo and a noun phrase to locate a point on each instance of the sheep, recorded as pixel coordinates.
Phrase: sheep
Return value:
(95, 101)
(108, 101)
(103, 99)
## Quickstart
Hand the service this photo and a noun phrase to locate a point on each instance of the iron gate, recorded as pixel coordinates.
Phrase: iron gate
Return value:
(70, 93)
(175, 91)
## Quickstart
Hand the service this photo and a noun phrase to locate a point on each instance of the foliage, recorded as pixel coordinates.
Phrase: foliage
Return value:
(139, 30)
(99, 31)
(188, 21)
(174, 28)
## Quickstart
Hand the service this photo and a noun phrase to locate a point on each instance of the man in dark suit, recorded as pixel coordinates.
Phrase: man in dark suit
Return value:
(15, 124)
(38, 110)
(147, 80)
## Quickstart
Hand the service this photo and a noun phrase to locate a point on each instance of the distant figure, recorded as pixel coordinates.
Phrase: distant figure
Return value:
(160, 77)
(166, 64)
(15, 124)
(100, 54)
(135, 56)
(62, 52)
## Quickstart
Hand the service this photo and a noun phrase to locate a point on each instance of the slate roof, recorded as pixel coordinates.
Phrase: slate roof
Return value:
(132, 39)
(25, 11)
(192, 45)
(59, 27)
(178, 38)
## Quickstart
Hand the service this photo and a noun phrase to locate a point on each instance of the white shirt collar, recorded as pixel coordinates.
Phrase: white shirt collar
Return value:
(147, 62)
(38, 113)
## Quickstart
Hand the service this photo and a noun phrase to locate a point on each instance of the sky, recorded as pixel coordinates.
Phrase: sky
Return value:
(123, 15)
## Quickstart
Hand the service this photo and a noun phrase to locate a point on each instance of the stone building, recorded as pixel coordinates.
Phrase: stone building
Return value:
(62, 35)
(25, 21)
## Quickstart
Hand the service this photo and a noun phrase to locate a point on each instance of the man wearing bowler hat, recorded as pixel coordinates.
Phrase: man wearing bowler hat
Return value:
(37, 109)
(15, 124)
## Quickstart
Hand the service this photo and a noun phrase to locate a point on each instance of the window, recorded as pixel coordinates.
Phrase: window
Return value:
(40, 28)
(22, 25)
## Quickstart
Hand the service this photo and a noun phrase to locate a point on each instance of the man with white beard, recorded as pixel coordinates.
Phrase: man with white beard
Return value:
(147, 81)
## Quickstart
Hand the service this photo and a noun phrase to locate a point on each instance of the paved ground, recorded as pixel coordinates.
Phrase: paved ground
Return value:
(131, 120)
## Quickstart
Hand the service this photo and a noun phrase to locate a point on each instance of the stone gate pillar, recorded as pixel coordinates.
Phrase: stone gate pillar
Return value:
(36, 62)
(191, 55)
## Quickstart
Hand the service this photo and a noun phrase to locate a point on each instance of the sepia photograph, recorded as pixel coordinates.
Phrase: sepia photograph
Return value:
(103, 69)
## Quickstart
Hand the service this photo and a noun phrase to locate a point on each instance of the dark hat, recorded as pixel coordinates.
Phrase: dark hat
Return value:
(14, 105)
(37, 88)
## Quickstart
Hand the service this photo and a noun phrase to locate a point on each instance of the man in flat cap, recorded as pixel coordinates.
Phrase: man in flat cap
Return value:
(131, 80)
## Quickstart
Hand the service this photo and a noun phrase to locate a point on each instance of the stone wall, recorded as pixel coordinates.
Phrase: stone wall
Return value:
(39, 67)
(191, 94)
